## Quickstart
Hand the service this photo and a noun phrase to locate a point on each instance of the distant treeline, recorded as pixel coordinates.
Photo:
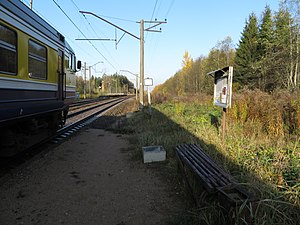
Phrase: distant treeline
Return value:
(266, 58)
(106, 84)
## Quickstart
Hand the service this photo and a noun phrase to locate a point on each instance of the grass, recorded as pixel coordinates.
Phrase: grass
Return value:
(265, 159)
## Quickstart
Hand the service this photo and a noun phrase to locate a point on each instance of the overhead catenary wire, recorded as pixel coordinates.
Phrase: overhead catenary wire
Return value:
(106, 37)
(154, 9)
(151, 17)
(84, 35)
(154, 43)
(169, 9)
(49, 22)
(97, 35)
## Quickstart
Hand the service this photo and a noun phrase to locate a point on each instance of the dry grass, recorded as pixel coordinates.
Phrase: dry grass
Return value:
(262, 147)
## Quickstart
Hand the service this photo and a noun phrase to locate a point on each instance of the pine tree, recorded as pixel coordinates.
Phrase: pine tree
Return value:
(247, 54)
(266, 33)
(266, 41)
(282, 46)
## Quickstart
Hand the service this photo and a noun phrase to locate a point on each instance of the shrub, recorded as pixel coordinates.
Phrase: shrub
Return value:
(278, 113)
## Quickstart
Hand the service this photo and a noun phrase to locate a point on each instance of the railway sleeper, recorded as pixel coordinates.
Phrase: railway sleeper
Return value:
(206, 180)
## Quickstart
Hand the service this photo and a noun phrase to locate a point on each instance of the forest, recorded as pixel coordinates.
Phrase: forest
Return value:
(107, 84)
(266, 57)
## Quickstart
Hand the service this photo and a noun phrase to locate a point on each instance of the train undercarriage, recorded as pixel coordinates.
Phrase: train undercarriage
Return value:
(20, 135)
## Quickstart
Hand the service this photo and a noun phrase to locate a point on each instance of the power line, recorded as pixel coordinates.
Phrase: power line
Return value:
(106, 37)
(152, 16)
(169, 8)
(154, 9)
(116, 18)
(67, 16)
(84, 35)
(158, 8)
(70, 40)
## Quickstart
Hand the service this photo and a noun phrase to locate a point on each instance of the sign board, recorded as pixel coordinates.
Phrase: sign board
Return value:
(222, 86)
(148, 81)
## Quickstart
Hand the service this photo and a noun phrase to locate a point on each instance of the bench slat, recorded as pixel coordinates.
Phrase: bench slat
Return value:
(204, 181)
(194, 146)
(203, 171)
(216, 171)
(220, 182)
(210, 175)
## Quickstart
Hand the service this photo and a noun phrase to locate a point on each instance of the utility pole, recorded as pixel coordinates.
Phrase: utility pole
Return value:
(90, 83)
(142, 63)
(84, 82)
(141, 38)
(90, 74)
(136, 82)
(137, 87)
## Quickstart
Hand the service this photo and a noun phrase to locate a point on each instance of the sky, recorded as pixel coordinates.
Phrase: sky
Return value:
(195, 26)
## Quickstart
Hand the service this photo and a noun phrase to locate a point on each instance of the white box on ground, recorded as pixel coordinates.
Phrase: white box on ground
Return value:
(153, 154)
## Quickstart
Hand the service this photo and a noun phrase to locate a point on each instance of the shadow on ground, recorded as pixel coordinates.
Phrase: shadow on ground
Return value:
(271, 207)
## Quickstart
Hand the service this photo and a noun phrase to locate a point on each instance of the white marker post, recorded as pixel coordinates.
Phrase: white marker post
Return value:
(149, 82)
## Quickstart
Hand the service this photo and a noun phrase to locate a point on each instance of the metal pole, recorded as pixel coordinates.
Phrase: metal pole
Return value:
(142, 63)
(136, 83)
(149, 97)
(149, 100)
(223, 125)
(31, 2)
(90, 86)
(84, 82)
(137, 87)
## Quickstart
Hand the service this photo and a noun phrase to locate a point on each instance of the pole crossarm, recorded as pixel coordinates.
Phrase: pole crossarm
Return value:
(157, 23)
(94, 39)
(118, 41)
(134, 74)
(99, 17)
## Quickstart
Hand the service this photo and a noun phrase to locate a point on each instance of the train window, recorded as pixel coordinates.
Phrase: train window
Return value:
(74, 63)
(67, 61)
(8, 50)
(37, 60)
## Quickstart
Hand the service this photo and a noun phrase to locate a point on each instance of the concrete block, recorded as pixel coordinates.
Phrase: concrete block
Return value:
(128, 115)
(153, 154)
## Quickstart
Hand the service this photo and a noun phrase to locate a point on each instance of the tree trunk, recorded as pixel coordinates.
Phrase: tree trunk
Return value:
(297, 58)
(290, 79)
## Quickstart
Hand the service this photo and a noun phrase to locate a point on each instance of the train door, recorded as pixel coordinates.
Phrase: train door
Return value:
(61, 76)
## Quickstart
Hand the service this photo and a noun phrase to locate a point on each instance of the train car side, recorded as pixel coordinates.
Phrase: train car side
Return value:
(37, 77)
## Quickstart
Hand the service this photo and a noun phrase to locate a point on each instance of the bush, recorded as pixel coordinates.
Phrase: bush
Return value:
(278, 113)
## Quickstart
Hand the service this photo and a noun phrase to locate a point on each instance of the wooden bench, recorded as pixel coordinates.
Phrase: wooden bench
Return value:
(213, 178)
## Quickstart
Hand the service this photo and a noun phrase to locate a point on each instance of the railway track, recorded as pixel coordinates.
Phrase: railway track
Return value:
(73, 124)
(85, 106)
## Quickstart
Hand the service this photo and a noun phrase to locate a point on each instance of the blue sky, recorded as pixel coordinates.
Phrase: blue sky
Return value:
(192, 25)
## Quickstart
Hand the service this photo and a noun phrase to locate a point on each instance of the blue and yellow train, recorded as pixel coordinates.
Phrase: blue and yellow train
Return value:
(37, 77)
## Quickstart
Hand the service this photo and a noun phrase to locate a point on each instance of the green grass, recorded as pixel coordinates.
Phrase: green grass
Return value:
(267, 166)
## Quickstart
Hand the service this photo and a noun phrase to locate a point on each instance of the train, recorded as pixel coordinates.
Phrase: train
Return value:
(37, 78)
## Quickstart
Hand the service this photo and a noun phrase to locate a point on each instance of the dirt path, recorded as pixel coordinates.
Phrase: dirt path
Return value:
(90, 179)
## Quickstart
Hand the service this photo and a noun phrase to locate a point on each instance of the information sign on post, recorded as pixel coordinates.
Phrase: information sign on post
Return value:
(223, 91)
(222, 86)
(148, 81)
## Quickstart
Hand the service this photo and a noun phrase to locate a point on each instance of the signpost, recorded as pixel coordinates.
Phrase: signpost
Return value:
(223, 91)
